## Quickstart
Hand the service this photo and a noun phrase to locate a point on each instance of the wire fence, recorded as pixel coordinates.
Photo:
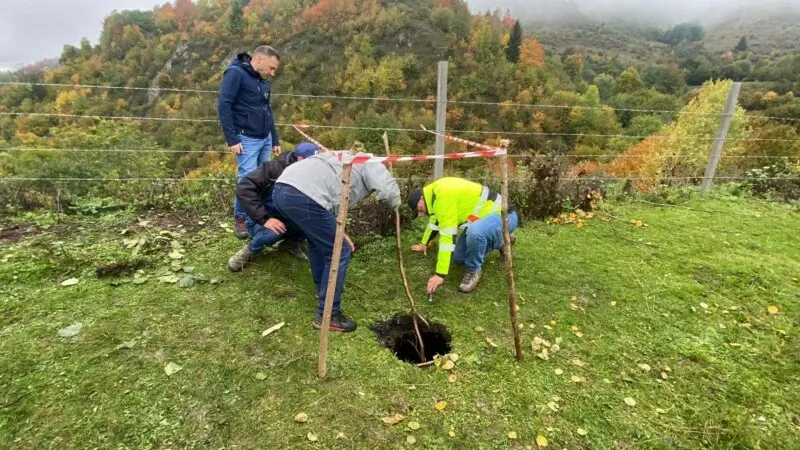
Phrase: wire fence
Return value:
(513, 156)
(410, 130)
(431, 100)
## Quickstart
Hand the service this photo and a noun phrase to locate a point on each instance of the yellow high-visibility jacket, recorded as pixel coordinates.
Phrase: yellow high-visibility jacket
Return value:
(452, 204)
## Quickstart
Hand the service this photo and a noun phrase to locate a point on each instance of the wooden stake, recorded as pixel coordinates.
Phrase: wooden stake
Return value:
(333, 275)
(399, 242)
(512, 293)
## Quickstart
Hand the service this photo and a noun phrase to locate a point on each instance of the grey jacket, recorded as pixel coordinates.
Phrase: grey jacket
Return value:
(320, 178)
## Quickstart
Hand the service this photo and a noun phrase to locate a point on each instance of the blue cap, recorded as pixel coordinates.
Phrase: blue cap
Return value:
(306, 150)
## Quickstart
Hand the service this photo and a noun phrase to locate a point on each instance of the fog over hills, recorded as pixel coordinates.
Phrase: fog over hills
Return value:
(707, 12)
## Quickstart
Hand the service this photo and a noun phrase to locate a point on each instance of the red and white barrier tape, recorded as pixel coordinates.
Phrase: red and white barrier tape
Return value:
(364, 158)
(322, 148)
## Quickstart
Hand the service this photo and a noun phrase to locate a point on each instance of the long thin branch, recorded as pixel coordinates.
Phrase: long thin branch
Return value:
(399, 243)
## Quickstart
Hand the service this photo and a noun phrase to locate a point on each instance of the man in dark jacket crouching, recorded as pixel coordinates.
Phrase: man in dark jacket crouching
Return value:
(264, 224)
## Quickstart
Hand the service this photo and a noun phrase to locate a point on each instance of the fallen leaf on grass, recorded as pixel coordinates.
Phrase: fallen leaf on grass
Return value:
(70, 331)
(187, 281)
(440, 406)
(559, 372)
(613, 303)
(553, 406)
(664, 375)
(451, 433)
(453, 357)
(312, 437)
(578, 362)
(512, 434)
(272, 329)
(660, 411)
(575, 329)
(340, 435)
(301, 417)
(452, 378)
(543, 355)
(579, 334)
(582, 432)
(70, 282)
(630, 401)
(704, 305)
(644, 367)
(491, 342)
(541, 441)
(448, 365)
(411, 440)
(479, 329)
(171, 368)
(393, 420)
(413, 425)
(577, 379)
(773, 310)
(126, 344)
(261, 376)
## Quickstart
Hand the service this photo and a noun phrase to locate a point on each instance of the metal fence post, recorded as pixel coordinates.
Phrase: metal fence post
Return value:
(441, 118)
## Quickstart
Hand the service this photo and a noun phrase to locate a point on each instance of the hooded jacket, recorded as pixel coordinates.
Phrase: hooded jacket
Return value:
(243, 103)
(254, 191)
(320, 178)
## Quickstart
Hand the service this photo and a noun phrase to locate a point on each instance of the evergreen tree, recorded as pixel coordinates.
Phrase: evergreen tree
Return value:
(742, 46)
(514, 43)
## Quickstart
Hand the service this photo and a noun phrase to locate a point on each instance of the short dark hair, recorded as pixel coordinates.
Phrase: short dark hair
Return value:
(267, 51)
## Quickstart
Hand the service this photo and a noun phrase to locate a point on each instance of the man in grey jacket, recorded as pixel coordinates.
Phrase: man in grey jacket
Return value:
(307, 196)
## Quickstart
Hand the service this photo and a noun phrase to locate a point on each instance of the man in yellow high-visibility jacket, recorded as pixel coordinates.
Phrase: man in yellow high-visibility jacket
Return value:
(466, 216)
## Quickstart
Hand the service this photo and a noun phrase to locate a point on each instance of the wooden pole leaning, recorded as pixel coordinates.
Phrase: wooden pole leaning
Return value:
(333, 275)
(401, 266)
(512, 293)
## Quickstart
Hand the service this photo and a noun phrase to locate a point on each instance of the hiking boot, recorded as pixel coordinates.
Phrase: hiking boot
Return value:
(470, 282)
(240, 228)
(513, 241)
(339, 322)
(293, 248)
(240, 259)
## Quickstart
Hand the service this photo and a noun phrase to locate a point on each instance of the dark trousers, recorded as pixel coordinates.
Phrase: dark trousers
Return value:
(319, 227)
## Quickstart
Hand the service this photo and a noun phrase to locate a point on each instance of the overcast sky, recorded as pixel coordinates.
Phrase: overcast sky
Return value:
(32, 30)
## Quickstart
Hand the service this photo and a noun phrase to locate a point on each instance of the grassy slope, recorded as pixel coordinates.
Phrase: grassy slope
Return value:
(84, 393)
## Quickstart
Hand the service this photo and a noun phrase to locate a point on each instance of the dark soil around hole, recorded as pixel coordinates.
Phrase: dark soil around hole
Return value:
(397, 334)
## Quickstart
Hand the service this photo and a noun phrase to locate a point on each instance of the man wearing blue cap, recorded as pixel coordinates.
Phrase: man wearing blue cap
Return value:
(265, 225)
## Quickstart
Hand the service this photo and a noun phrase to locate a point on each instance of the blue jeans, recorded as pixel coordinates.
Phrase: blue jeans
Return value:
(254, 152)
(318, 225)
(261, 237)
(480, 238)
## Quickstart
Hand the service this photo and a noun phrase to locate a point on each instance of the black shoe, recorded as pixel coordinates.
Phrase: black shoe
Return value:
(339, 322)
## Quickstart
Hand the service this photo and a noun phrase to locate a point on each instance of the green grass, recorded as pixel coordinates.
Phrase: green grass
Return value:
(686, 287)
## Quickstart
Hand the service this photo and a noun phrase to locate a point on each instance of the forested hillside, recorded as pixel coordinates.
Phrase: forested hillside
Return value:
(612, 85)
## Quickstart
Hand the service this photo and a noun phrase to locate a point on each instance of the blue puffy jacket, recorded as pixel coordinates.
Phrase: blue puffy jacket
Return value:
(243, 103)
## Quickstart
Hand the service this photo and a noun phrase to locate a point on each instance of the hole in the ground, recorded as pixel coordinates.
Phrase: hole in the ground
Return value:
(397, 334)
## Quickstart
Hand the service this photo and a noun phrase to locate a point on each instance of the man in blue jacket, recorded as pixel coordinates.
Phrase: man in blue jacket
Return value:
(246, 116)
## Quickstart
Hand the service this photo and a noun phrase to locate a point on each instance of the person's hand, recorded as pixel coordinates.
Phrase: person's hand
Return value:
(276, 151)
(434, 282)
(421, 248)
(350, 243)
(237, 149)
(275, 225)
